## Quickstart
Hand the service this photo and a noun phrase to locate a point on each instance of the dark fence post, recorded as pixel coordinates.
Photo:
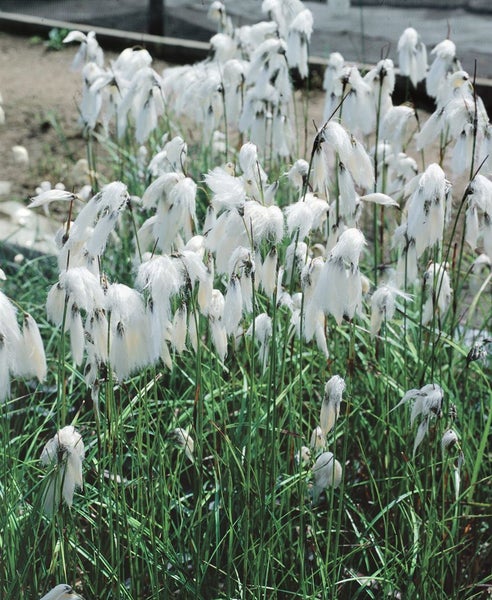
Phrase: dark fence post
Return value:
(155, 17)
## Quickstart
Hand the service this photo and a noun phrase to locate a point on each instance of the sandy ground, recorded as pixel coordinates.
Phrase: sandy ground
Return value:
(40, 97)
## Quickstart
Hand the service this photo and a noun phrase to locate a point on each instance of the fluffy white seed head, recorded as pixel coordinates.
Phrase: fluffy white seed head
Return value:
(412, 56)
(318, 439)
(439, 292)
(183, 438)
(449, 439)
(62, 591)
(327, 472)
(32, 359)
(65, 453)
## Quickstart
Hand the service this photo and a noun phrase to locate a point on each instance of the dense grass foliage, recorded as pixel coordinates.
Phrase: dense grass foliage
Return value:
(278, 385)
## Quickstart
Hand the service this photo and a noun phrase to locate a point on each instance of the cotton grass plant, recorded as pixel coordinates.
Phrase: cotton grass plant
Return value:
(261, 378)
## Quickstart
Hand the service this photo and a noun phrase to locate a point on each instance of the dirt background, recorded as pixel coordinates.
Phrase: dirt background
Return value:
(39, 91)
(40, 97)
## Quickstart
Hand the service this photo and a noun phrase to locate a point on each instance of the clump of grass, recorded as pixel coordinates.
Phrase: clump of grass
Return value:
(203, 320)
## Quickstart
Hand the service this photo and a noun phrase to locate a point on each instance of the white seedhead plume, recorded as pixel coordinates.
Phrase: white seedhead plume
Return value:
(233, 306)
(330, 407)
(144, 99)
(359, 112)
(223, 47)
(185, 441)
(264, 223)
(99, 218)
(382, 80)
(46, 197)
(89, 50)
(215, 319)
(318, 439)
(412, 56)
(445, 62)
(427, 211)
(382, 307)
(179, 329)
(339, 288)
(217, 14)
(303, 457)
(479, 213)
(427, 405)
(10, 339)
(333, 71)
(297, 174)
(132, 343)
(171, 159)
(62, 591)
(449, 439)
(298, 38)
(64, 453)
(158, 191)
(263, 332)
(269, 270)
(327, 472)
(397, 127)
(32, 359)
(438, 284)
(228, 191)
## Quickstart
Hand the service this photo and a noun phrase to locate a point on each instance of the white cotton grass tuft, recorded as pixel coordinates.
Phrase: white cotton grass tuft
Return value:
(160, 277)
(64, 453)
(479, 209)
(438, 284)
(89, 50)
(45, 197)
(318, 439)
(215, 318)
(9, 340)
(383, 305)
(427, 212)
(448, 440)
(339, 288)
(21, 353)
(32, 359)
(99, 217)
(269, 270)
(427, 404)
(305, 215)
(184, 441)
(327, 473)
(132, 345)
(397, 127)
(298, 173)
(303, 457)
(233, 305)
(330, 407)
(412, 56)
(62, 591)
(298, 38)
(179, 329)
(228, 191)
(262, 331)
(445, 62)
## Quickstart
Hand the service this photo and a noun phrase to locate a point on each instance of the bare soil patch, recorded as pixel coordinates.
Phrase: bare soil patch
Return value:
(40, 96)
